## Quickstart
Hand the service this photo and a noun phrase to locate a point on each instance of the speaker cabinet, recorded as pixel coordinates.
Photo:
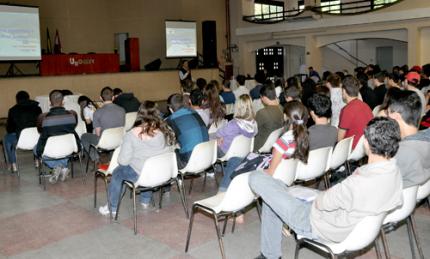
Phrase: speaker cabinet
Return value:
(132, 58)
(209, 44)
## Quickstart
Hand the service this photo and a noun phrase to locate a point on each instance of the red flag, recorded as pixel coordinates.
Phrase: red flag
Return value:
(57, 43)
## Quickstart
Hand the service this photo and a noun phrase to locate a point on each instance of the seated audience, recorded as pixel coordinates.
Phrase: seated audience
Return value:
(201, 83)
(126, 100)
(322, 133)
(337, 103)
(334, 213)
(152, 136)
(108, 116)
(241, 89)
(380, 89)
(58, 121)
(414, 150)
(293, 93)
(355, 115)
(243, 123)
(366, 92)
(227, 95)
(22, 115)
(269, 118)
(382, 110)
(412, 81)
(187, 87)
(189, 128)
(213, 103)
(87, 111)
(259, 78)
(196, 100)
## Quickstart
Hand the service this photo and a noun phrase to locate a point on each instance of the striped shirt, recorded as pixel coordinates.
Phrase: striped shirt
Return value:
(286, 145)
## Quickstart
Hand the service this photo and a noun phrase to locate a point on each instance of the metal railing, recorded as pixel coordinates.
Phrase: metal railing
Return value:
(348, 8)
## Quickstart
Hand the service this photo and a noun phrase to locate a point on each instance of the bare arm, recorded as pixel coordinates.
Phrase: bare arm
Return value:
(276, 160)
(340, 134)
(98, 131)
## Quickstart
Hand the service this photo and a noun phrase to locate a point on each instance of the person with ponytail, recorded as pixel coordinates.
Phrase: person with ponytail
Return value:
(294, 143)
(149, 137)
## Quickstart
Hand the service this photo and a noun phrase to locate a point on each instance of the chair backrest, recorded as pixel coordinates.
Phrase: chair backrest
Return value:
(286, 171)
(267, 147)
(60, 146)
(229, 109)
(423, 191)
(111, 138)
(28, 139)
(215, 126)
(238, 195)
(341, 152)
(158, 170)
(114, 160)
(241, 146)
(204, 155)
(317, 164)
(408, 206)
(364, 233)
(81, 128)
(358, 152)
(130, 118)
(257, 105)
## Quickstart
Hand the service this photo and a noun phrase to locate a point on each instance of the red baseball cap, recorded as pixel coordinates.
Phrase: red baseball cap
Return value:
(413, 76)
(416, 69)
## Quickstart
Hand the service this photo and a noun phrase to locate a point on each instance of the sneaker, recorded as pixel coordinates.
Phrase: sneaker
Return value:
(145, 206)
(36, 163)
(55, 174)
(64, 173)
(14, 168)
(104, 210)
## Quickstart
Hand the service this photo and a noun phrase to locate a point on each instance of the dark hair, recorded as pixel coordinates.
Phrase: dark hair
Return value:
(324, 90)
(334, 80)
(408, 105)
(106, 93)
(308, 89)
(241, 79)
(117, 91)
(292, 81)
(22, 96)
(196, 97)
(391, 92)
(201, 83)
(260, 77)
(381, 76)
(216, 109)
(187, 85)
(66, 92)
(426, 69)
(87, 101)
(351, 86)
(383, 136)
(175, 101)
(226, 84)
(293, 92)
(268, 90)
(297, 116)
(321, 105)
(341, 75)
(325, 75)
(149, 120)
(56, 97)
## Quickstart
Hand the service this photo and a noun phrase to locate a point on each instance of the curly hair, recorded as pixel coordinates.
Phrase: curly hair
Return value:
(149, 120)
(383, 136)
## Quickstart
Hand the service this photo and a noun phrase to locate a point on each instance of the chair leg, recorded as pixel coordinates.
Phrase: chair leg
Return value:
(326, 180)
(182, 196)
(297, 251)
(190, 227)
(216, 180)
(385, 244)
(71, 167)
(204, 181)
(134, 210)
(234, 222)
(221, 245)
(161, 198)
(191, 186)
(95, 191)
(411, 238)
(88, 163)
(82, 169)
(377, 249)
(416, 236)
(121, 196)
(225, 225)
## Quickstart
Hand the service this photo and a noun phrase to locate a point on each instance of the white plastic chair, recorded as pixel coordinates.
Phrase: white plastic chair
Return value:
(357, 154)
(318, 162)
(399, 215)
(27, 141)
(81, 128)
(158, 171)
(226, 204)
(215, 126)
(267, 147)
(203, 157)
(56, 148)
(363, 234)
(109, 140)
(229, 109)
(286, 171)
(423, 191)
(106, 174)
(241, 146)
(130, 118)
(257, 105)
(338, 157)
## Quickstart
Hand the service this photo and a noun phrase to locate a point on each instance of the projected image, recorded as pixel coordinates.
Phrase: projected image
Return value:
(19, 33)
(181, 39)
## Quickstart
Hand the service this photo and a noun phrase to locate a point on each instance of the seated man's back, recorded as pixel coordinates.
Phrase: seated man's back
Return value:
(109, 116)
(23, 115)
(128, 102)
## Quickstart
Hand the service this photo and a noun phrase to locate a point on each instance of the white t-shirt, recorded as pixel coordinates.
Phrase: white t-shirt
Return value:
(89, 112)
(240, 91)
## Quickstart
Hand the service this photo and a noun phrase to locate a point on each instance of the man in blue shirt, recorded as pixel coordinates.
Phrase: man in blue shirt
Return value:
(189, 128)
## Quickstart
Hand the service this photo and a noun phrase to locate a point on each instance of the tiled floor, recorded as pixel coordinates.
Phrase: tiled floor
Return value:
(62, 223)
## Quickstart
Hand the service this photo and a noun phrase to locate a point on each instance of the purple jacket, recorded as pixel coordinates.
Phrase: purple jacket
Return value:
(235, 128)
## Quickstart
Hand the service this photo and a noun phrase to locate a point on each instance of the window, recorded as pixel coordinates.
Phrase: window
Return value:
(269, 10)
(330, 6)
(380, 3)
(301, 4)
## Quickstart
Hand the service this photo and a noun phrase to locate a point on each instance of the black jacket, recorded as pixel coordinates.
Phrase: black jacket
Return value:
(127, 101)
(22, 115)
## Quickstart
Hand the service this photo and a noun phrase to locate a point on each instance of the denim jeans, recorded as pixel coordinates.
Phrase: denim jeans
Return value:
(9, 143)
(279, 207)
(232, 163)
(53, 163)
(121, 173)
(88, 139)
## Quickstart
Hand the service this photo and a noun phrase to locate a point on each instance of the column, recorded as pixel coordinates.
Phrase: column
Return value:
(312, 53)
(414, 46)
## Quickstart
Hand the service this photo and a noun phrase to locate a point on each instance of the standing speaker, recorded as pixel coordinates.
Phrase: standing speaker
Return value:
(132, 58)
(209, 44)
